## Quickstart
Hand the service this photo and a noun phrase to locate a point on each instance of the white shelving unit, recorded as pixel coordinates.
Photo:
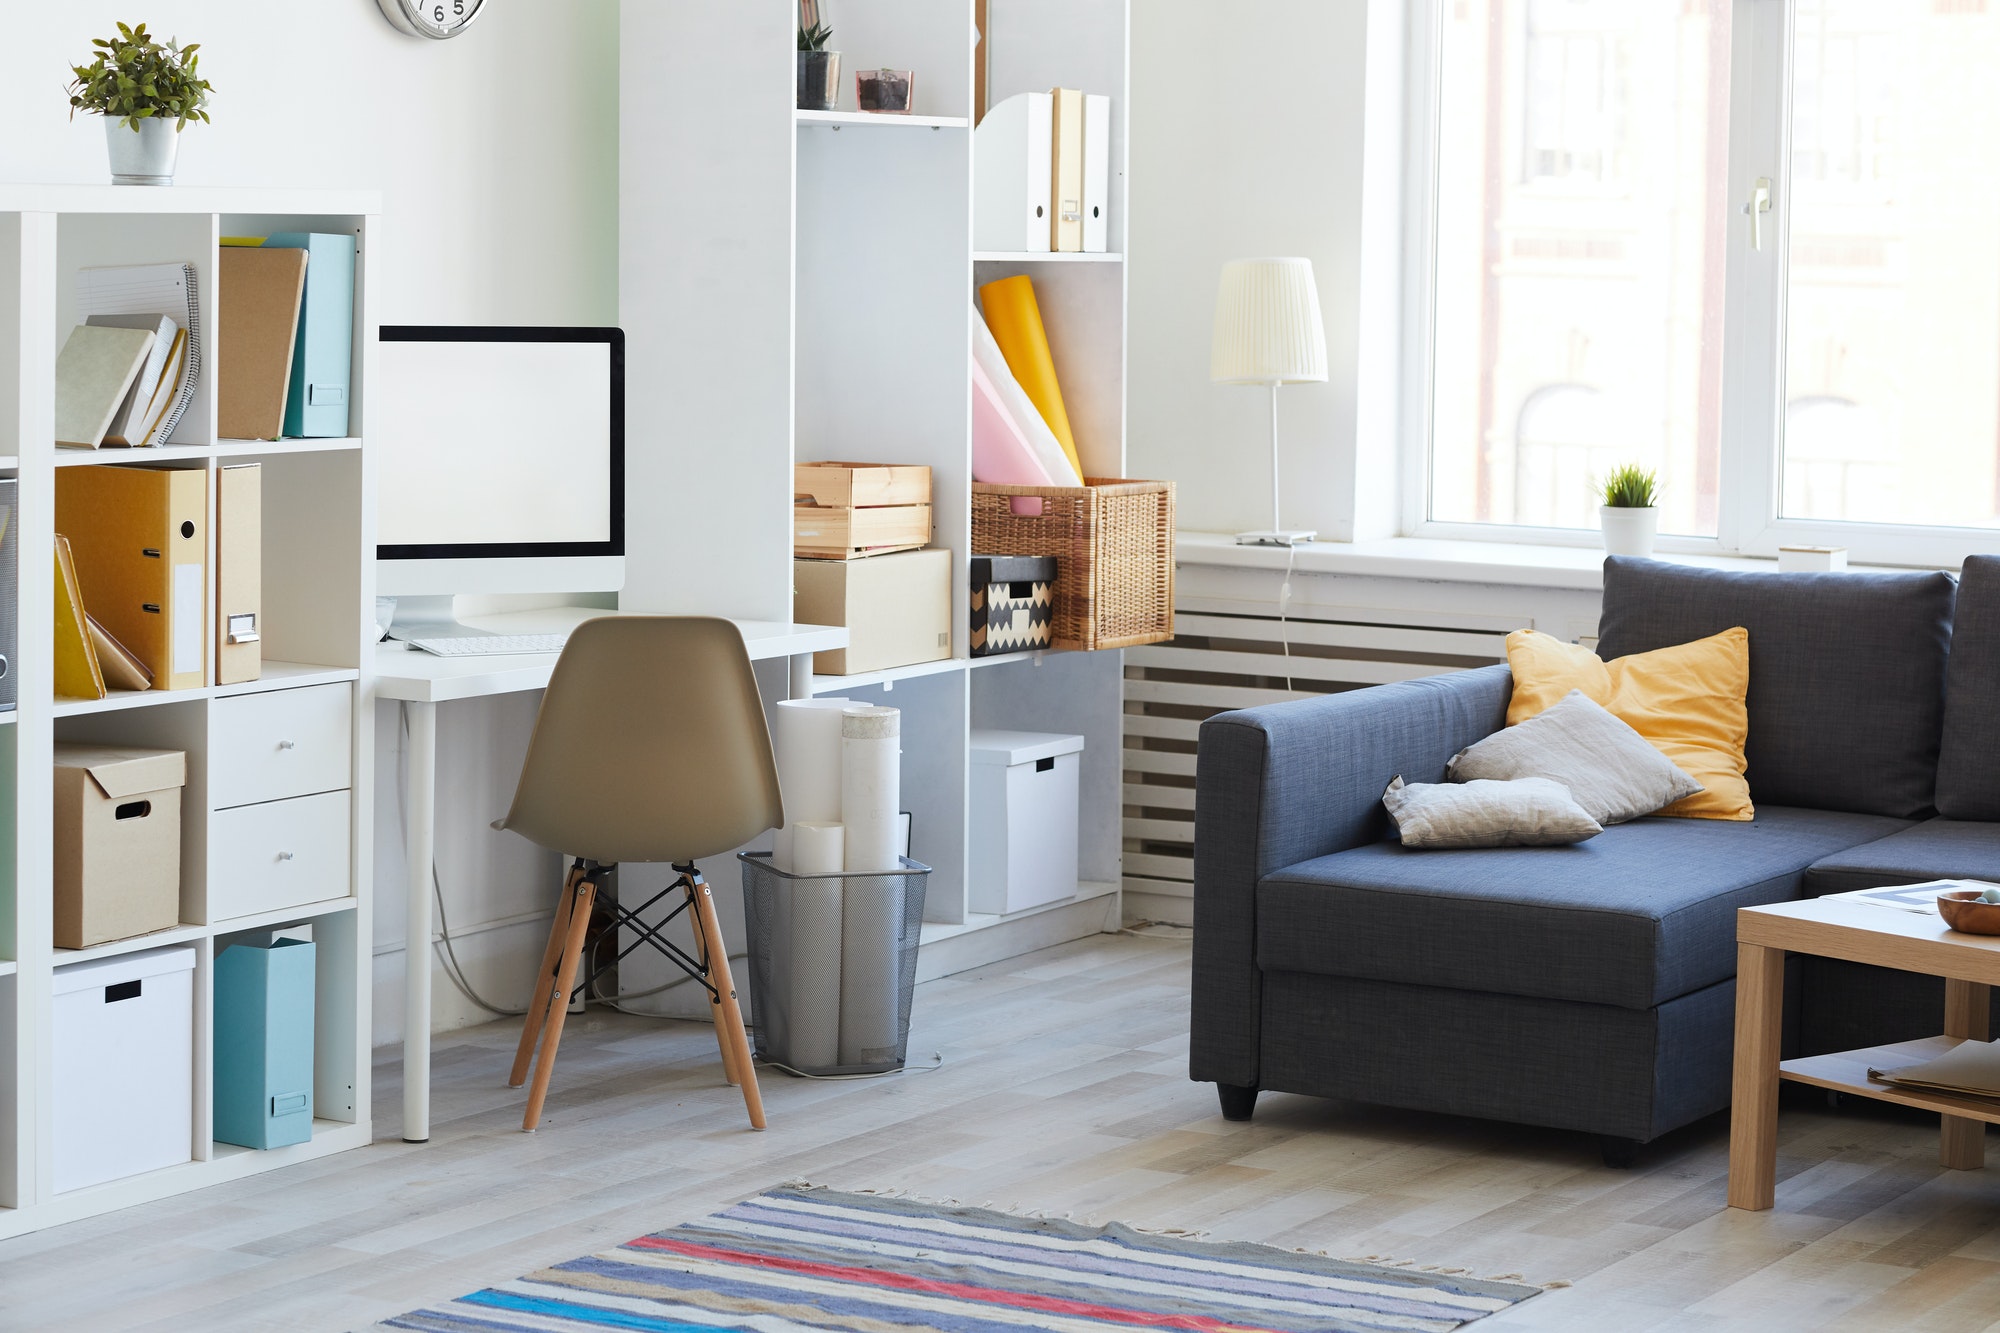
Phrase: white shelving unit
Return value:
(318, 587)
(854, 230)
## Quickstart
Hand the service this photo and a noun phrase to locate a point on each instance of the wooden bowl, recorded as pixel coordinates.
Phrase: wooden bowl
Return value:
(1963, 910)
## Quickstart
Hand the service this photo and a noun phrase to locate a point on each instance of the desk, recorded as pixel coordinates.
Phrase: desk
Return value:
(422, 681)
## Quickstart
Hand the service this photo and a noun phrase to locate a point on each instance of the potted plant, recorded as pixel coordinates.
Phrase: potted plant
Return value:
(819, 68)
(147, 93)
(1628, 515)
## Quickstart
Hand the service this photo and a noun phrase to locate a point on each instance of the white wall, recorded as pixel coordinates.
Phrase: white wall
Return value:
(1254, 127)
(499, 206)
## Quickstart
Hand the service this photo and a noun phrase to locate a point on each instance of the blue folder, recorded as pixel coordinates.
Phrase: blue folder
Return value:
(323, 355)
(264, 1043)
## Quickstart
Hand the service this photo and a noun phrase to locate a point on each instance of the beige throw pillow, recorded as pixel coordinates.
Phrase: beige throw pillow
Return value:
(1532, 812)
(1612, 771)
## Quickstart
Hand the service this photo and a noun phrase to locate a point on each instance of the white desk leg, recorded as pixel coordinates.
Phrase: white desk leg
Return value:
(420, 757)
(802, 675)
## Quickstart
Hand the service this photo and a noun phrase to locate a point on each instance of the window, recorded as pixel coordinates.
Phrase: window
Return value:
(1597, 295)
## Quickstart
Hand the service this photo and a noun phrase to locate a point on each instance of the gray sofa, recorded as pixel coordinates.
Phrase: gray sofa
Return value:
(1590, 988)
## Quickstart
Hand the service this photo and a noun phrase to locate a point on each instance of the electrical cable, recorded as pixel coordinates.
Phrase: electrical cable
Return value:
(1284, 601)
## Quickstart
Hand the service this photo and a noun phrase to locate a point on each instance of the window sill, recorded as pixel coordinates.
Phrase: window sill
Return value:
(1438, 560)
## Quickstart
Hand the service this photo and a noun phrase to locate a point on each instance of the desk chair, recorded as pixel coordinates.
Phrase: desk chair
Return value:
(650, 746)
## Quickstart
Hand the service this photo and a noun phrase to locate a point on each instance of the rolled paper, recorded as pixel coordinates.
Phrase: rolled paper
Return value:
(1020, 409)
(1001, 454)
(1016, 321)
(871, 915)
(805, 737)
(818, 847)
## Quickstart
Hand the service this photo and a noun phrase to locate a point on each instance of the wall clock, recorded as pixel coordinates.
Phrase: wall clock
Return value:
(436, 19)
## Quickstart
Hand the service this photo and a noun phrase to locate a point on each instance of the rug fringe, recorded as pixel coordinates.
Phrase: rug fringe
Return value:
(1178, 1233)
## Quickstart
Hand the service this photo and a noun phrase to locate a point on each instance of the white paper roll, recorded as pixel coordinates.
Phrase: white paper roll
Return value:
(870, 765)
(805, 737)
(871, 910)
(818, 847)
(813, 917)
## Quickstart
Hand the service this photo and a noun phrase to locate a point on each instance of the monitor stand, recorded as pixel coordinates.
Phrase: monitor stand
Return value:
(430, 618)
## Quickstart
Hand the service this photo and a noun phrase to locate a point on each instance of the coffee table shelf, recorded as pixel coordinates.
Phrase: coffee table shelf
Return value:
(1847, 1071)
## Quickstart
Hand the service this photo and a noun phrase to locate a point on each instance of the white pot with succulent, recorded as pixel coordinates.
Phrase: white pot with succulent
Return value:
(1628, 514)
(147, 93)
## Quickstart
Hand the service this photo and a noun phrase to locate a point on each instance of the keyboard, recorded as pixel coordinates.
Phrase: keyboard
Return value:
(491, 645)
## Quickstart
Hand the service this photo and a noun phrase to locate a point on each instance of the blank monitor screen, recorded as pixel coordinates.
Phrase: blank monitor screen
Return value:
(500, 442)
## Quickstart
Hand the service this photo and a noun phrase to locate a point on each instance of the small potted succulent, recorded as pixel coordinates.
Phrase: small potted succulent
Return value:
(819, 68)
(1629, 515)
(147, 93)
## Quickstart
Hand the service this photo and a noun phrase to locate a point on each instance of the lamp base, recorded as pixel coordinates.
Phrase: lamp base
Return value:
(1289, 537)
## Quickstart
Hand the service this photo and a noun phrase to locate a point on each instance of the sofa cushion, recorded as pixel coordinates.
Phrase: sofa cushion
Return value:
(1846, 672)
(1934, 849)
(1968, 781)
(1639, 914)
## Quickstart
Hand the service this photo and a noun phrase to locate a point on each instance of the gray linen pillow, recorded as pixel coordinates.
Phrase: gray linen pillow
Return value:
(1529, 812)
(1611, 770)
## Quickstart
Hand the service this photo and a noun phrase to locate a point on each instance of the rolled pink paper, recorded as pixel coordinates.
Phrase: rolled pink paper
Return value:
(1001, 454)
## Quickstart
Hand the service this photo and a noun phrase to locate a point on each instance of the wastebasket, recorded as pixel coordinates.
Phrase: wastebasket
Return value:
(833, 965)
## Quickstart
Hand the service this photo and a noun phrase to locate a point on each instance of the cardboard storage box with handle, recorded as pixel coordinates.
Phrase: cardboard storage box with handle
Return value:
(117, 842)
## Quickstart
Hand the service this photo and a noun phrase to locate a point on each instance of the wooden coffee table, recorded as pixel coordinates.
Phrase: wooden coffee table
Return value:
(1861, 933)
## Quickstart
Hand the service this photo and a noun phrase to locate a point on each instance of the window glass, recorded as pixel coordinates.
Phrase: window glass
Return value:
(1579, 275)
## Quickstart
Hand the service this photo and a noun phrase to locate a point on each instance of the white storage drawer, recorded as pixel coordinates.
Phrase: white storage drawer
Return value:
(123, 1066)
(283, 743)
(262, 858)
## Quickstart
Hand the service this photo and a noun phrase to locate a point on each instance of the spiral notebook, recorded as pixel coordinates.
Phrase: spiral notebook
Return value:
(150, 289)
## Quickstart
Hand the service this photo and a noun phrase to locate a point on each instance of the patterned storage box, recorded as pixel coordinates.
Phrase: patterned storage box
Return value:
(1013, 603)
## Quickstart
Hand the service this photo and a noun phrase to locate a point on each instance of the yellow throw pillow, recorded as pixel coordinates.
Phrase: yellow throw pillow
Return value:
(1687, 700)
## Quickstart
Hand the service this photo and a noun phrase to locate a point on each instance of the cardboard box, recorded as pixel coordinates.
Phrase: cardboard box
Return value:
(897, 609)
(122, 1066)
(117, 842)
(1022, 837)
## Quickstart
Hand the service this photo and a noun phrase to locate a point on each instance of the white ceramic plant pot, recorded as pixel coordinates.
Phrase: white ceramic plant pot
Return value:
(145, 156)
(1628, 531)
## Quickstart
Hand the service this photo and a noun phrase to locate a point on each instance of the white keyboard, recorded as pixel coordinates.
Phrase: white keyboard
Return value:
(491, 645)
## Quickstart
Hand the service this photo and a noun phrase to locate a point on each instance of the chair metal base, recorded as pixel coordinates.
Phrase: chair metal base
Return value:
(570, 936)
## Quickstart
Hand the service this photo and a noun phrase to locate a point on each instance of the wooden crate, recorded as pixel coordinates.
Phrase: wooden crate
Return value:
(1113, 541)
(860, 485)
(848, 534)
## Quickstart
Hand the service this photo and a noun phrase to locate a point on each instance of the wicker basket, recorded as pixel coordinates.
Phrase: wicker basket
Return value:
(1113, 541)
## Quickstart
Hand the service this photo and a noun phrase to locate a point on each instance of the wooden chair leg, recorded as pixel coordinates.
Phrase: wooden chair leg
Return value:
(545, 1059)
(707, 947)
(545, 981)
(730, 1025)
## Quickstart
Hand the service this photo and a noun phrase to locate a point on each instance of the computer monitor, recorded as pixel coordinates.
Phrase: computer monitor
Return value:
(501, 466)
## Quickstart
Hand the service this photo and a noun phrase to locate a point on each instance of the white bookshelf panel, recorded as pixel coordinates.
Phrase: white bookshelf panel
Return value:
(12, 257)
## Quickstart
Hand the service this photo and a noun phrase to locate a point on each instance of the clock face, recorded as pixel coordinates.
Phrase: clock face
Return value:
(437, 19)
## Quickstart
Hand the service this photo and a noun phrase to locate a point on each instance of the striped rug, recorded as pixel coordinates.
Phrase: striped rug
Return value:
(809, 1258)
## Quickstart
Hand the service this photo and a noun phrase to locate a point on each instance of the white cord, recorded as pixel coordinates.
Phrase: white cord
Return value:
(937, 1062)
(1284, 601)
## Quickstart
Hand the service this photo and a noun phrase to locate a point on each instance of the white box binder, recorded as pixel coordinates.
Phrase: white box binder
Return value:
(1010, 175)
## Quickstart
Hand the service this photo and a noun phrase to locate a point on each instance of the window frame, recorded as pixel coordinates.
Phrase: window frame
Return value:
(1748, 521)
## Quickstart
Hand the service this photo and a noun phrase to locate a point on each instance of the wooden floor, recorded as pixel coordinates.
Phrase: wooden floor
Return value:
(1063, 1088)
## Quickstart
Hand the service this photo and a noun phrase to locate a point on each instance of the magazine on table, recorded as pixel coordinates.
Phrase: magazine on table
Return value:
(1919, 898)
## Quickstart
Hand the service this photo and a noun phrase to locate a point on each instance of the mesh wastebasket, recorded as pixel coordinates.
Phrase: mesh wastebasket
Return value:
(833, 965)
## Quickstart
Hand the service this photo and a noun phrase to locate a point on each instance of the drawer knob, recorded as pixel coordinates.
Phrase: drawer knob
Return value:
(287, 745)
(284, 856)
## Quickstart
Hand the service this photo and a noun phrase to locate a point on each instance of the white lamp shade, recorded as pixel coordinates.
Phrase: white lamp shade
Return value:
(1267, 324)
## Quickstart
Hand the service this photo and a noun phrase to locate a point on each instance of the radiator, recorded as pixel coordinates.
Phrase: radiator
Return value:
(1229, 654)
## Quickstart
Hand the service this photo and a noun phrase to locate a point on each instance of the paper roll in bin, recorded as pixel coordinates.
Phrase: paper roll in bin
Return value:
(793, 928)
(264, 1043)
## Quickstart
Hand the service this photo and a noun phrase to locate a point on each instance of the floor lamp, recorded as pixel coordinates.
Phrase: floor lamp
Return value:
(1268, 331)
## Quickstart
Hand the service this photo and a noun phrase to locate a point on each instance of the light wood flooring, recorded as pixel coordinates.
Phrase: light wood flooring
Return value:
(1063, 1088)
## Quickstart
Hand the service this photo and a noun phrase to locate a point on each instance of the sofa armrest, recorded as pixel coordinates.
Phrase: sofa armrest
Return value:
(1288, 782)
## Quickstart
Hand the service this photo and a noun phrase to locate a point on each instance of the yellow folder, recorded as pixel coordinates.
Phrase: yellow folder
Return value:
(140, 536)
(1016, 322)
(77, 673)
(1066, 171)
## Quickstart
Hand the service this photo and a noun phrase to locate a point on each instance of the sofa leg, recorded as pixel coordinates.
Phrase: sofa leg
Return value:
(1619, 1154)
(1237, 1101)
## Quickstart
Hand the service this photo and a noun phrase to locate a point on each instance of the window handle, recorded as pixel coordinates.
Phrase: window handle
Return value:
(1759, 205)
